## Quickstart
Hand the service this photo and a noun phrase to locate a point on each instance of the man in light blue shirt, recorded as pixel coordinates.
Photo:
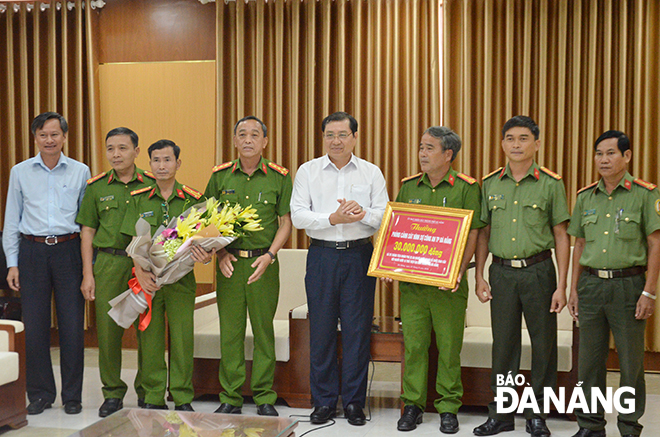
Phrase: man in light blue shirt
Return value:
(42, 246)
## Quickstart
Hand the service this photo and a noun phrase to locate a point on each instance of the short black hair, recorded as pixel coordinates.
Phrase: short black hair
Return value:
(42, 118)
(449, 140)
(123, 131)
(623, 141)
(340, 116)
(161, 144)
(522, 121)
(252, 117)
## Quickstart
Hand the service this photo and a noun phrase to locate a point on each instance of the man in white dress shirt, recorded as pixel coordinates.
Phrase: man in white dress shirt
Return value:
(339, 199)
(42, 245)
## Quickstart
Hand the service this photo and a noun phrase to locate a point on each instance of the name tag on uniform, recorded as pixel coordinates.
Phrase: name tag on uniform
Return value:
(496, 197)
(106, 198)
(228, 192)
(415, 201)
(589, 212)
(147, 214)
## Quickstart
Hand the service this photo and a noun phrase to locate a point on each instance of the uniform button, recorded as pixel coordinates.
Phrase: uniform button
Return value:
(107, 208)
(606, 233)
(627, 219)
(247, 197)
(517, 184)
(514, 220)
(534, 206)
(513, 239)
(248, 179)
(125, 186)
(515, 202)
(494, 207)
(607, 215)
(127, 201)
(265, 201)
(433, 190)
(604, 250)
(609, 198)
(515, 256)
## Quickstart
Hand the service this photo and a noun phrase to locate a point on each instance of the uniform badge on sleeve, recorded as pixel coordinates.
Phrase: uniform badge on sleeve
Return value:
(657, 206)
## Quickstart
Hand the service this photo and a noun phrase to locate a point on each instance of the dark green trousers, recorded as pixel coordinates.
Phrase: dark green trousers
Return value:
(111, 273)
(517, 292)
(604, 305)
(424, 308)
(235, 300)
(178, 301)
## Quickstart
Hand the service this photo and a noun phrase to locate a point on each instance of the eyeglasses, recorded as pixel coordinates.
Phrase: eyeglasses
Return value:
(165, 208)
(341, 136)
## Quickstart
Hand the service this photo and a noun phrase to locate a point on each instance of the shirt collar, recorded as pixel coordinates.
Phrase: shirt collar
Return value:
(625, 183)
(263, 166)
(112, 176)
(326, 161)
(177, 191)
(450, 178)
(63, 160)
(534, 172)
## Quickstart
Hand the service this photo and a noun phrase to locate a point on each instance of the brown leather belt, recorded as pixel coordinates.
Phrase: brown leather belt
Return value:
(617, 273)
(341, 244)
(51, 240)
(525, 262)
(118, 252)
(247, 253)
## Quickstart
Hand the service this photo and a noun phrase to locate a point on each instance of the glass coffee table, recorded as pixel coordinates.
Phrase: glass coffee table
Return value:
(163, 423)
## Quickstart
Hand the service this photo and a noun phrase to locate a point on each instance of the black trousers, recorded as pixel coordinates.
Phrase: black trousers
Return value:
(338, 289)
(45, 269)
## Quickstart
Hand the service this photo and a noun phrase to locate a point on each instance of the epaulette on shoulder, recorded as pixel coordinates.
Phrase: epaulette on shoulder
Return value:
(551, 173)
(409, 178)
(587, 187)
(96, 178)
(278, 168)
(492, 173)
(649, 186)
(469, 179)
(140, 191)
(149, 175)
(195, 194)
(222, 166)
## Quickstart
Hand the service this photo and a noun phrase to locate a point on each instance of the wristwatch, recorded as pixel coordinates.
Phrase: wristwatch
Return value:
(272, 257)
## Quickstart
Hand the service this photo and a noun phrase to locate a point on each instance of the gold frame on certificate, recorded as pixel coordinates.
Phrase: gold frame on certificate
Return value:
(384, 263)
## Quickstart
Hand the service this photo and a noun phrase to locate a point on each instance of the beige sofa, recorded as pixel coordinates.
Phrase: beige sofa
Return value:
(12, 376)
(291, 337)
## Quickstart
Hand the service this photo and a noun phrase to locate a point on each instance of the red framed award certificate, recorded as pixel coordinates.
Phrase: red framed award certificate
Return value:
(421, 243)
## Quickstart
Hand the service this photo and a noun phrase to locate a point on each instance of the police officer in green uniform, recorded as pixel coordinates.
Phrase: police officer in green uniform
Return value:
(525, 208)
(248, 271)
(616, 222)
(158, 205)
(101, 214)
(425, 308)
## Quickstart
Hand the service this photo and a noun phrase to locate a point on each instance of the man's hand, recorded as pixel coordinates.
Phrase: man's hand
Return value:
(199, 255)
(12, 279)
(458, 283)
(225, 260)
(259, 265)
(347, 212)
(146, 279)
(558, 301)
(88, 287)
(645, 307)
(483, 291)
(386, 280)
(573, 305)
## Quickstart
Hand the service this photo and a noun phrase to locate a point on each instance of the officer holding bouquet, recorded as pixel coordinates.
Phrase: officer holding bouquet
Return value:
(248, 271)
(158, 205)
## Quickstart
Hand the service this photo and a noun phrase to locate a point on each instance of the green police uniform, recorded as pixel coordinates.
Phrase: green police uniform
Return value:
(615, 227)
(268, 190)
(521, 217)
(425, 307)
(103, 208)
(177, 300)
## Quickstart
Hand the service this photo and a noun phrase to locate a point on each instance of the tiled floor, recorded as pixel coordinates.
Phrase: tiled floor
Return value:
(384, 409)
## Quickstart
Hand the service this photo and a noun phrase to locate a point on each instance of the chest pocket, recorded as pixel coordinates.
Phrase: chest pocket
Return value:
(361, 193)
(535, 212)
(151, 219)
(629, 226)
(69, 199)
(588, 223)
(497, 207)
(107, 205)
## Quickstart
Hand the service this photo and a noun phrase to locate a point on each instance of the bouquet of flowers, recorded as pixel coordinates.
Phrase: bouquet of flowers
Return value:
(210, 225)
